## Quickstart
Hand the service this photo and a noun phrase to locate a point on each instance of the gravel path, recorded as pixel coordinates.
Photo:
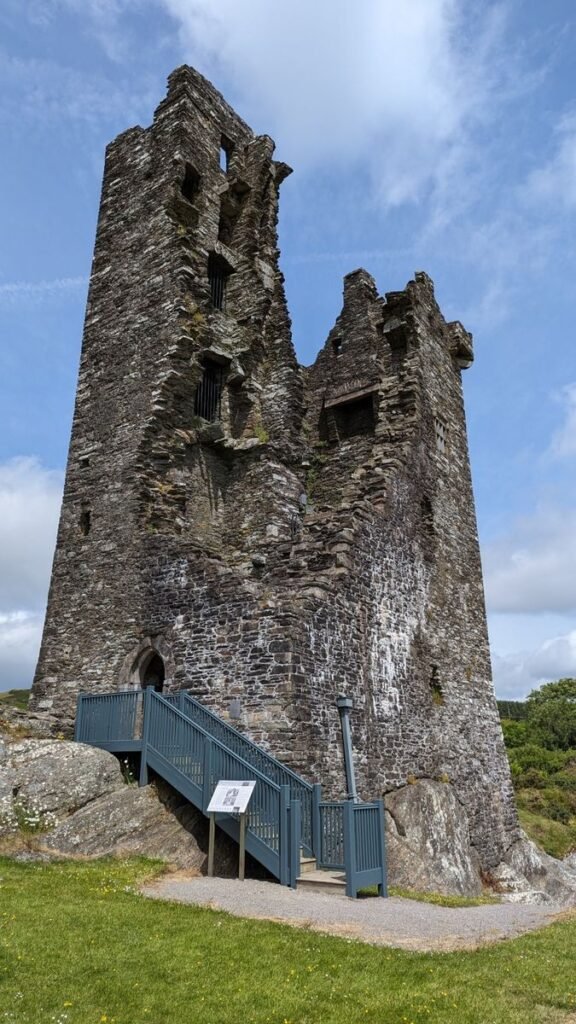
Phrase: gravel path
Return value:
(390, 922)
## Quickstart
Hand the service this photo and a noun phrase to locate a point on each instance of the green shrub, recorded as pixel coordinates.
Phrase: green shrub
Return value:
(515, 733)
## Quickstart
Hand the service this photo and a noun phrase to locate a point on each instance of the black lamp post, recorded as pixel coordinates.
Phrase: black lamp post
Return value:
(345, 705)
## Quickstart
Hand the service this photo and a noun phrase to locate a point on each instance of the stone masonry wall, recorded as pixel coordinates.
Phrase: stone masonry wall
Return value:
(275, 535)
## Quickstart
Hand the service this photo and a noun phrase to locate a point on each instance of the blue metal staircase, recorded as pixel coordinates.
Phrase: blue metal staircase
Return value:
(192, 748)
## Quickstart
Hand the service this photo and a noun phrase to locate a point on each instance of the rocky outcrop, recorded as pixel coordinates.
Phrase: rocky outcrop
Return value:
(70, 799)
(150, 822)
(429, 850)
(15, 721)
(569, 862)
(8, 820)
(528, 875)
(42, 781)
(428, 841)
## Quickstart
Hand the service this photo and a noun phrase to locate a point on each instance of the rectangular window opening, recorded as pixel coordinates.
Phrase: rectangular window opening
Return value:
(208, 396)
(441, 431)
(218, 273)
(353, 418)
(85, 522)
(190, 184)
(226, 150)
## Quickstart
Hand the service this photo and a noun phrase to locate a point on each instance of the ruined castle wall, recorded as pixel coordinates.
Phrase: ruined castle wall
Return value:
(143, 466)
(276, 535)
(400, 623)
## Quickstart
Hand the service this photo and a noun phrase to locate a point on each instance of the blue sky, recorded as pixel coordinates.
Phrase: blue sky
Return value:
(429, 134)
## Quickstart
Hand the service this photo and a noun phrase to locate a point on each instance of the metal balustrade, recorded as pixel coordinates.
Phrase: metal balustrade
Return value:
(331, 853)
(307, 793)
(191, 748)
(110, 718)
(364, 846)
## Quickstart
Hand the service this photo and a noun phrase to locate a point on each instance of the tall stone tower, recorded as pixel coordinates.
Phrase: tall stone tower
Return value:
(262, 534)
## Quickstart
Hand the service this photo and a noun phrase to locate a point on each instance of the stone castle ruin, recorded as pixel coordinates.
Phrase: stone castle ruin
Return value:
(263, 534)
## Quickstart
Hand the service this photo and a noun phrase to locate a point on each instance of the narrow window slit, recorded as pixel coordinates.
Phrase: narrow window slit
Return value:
(85, 522)
(226, 150)
(436, 688)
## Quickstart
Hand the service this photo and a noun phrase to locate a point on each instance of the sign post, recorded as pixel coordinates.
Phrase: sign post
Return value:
(211, 843)
(242, 854)
(230, 798)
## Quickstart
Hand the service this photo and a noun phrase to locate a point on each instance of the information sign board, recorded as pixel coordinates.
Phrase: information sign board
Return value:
(231, 797)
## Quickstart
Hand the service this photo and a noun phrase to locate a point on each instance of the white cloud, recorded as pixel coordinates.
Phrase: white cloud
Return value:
(530, 579)
(399, 87)
(104, 17)
(35, 293)
(555, 181)
(20, 635)
(44, 91)
(533, 569)
(516, 674)
(30, 497)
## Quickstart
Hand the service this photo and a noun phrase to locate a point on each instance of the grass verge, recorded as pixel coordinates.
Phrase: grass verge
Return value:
(15, 699)
(437, 898)
(555, 837)
(78, 945)
(440, 900)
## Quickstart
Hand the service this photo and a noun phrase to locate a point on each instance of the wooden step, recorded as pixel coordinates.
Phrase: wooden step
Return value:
(333, 882)
(307, 864)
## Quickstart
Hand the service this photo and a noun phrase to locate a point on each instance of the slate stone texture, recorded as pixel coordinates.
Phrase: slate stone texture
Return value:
(263, 534)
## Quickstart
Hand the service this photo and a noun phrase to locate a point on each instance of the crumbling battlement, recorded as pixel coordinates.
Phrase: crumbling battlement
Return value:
(262, 534)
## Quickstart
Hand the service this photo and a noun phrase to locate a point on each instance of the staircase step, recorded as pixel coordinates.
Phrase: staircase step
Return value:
(307, 864)
(323, 881)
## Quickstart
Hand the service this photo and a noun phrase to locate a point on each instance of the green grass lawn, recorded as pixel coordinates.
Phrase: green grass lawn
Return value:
(79, 946)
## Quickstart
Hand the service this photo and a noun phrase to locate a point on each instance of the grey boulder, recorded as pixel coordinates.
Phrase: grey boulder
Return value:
(136, 821)
(428, 841)
(8, 820)
(56, 777)
(525, 869)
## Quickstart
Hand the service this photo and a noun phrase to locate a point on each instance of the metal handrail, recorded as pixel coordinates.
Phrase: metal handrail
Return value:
(286, 811)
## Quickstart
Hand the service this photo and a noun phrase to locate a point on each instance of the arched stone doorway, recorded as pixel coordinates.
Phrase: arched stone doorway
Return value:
(152, 671)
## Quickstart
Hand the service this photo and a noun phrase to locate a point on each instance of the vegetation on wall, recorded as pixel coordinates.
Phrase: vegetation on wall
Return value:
(540, 736)
(15, 699)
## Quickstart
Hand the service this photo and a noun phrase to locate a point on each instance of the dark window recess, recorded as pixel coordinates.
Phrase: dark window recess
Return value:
(218, 273)
(208, 396)
(153, 673)
(352, 418)
(85, 522)
(191, 183)
(84, 461)
(427, 516)
(437, 694)
(337, 345)
(231, 206)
